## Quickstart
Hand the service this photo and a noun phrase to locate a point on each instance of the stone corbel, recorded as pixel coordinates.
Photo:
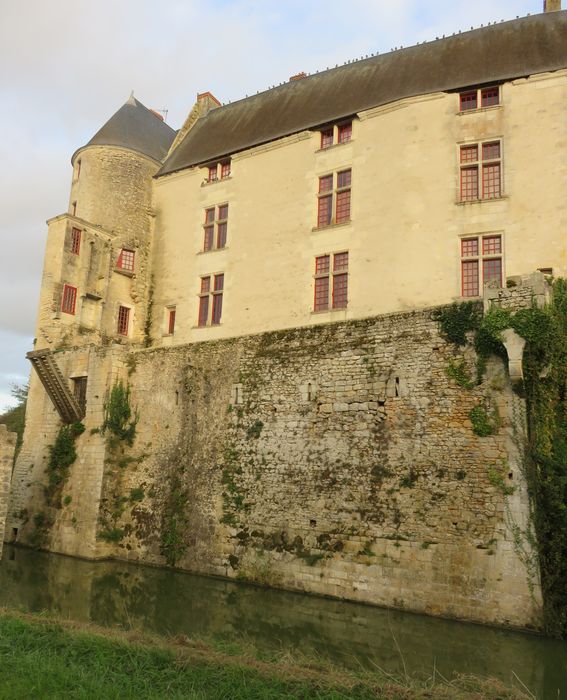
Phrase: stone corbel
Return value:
(514, 345)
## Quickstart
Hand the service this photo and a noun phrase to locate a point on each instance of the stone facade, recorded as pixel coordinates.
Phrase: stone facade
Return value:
(7, 448)
(337, 460)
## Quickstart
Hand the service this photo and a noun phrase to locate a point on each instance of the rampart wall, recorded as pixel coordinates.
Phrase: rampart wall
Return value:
(339, 460)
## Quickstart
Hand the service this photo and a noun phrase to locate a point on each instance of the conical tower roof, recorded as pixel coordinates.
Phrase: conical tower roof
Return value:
(137, 128)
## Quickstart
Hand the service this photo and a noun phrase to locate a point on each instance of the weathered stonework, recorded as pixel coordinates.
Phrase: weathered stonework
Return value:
(7, 448)
(345, 465)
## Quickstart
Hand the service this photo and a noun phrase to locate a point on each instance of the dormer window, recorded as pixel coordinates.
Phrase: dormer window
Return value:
(339, 133)
(212, 173)
(218, 171)
(479, 98)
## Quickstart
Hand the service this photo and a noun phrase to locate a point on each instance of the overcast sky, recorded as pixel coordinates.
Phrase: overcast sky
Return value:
(67, 65)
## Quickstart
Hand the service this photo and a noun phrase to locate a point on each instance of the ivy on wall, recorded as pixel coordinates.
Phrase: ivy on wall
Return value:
(545, 391)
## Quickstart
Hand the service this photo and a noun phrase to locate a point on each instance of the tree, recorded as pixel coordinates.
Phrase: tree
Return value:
(14, 418)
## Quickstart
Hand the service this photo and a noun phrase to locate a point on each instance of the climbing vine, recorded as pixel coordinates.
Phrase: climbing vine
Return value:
(545, 389)
(119, 422)
(62, 454)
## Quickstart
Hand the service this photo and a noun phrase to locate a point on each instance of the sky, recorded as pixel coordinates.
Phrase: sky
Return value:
(67, 65)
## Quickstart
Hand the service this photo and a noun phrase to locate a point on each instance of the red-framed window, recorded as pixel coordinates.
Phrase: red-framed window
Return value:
(331, 281)
(479, 97)
(69, 299)
(210, 300)
(339, 133)
(480, 171)
(333, 198)
(216, 171)
(212, 174)
(481, 262)
(76, 240)
(344, 132)
(327, 138)
(126, 259)
(123, 320)
(171, 321)
(215, 227)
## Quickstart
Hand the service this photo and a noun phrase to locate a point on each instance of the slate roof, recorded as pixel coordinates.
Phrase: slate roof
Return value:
(498, 52)
(137, 128)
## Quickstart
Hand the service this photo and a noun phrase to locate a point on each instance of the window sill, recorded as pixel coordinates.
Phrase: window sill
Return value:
(207, 183)
(329, 311)
(335, 145)
(315, 229)
(126, 273)
(212, 250)
(209, 325)
(481, 201)
(492, 108)
(167, 335)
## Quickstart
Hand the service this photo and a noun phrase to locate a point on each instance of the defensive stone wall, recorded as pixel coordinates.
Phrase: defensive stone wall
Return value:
(7, 448)
(337, 459)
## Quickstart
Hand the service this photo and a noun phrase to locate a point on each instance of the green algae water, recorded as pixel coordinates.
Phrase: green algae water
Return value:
(112, 593)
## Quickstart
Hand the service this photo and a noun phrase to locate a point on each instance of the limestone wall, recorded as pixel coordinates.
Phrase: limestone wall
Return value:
(337, 459)
(7, 447)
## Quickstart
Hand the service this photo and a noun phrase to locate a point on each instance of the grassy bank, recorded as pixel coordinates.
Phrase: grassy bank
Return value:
(41, 657)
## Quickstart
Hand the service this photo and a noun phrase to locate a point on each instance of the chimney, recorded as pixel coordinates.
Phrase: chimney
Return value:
(298, 76)
(551, 5)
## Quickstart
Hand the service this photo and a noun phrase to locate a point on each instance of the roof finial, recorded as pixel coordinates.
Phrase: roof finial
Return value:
(131, 100)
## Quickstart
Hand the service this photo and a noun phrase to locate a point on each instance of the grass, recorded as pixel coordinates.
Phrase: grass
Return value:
(44, 657)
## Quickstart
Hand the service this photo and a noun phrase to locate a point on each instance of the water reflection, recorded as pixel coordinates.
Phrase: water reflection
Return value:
(169, 602)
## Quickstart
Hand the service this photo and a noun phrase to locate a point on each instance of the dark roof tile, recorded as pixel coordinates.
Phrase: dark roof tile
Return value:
(495, 53)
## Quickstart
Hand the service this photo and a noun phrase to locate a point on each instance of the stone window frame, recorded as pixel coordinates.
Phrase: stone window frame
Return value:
(475, 261)
(123, 320)
(479, 98)
(332, 186)
(221, 167)
(336, 134)
(215, 227)
(126, 260)
(478, 166)
(326, 271)
(211, 299)
(69, 299)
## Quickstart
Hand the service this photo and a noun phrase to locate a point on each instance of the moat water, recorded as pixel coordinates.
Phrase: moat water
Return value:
(171, 602)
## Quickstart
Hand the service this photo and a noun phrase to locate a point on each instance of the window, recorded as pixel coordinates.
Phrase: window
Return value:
(344, 132)
(69, 299)
(340, 133)
(481, 262)
(78, 170)
(123, 320)
(481, 97)
(333, 198)
(74, 208)
(481, 173)
(210, 300)
(212, 177)
(80, 392)
(331, 282)
(216, 221)
(76, 240)
(126, 260)
(213, 171)
(327, 138)
(171, 321)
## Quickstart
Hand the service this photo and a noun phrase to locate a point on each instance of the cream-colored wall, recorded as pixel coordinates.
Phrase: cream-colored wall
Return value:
(403, 239)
